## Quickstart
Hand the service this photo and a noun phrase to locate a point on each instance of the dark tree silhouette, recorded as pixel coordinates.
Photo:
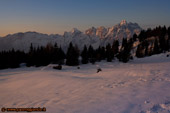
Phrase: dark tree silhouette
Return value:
(135, 37)
(156, 49)
(72, 56)
(125, 53)
(91, 55)
(84, 55)
(109, 53)
(115, 47)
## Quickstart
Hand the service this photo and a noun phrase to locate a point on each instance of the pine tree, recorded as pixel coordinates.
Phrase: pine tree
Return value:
(168, 42)
(115, 47)
(148, 33)
(55, 54)
(162, 39)
(142, 36)
(30, 59)
(72, 56)
(135, 37)
(156, 47)
(109, 53)
(91, 55)
(124, 42)
(11, 59)
(140, 51)
(162, 43)
(99, 54)
(122, 51)
(146, 48)
(103, 53)
(61, 56)
(126, 53)
(84, 55)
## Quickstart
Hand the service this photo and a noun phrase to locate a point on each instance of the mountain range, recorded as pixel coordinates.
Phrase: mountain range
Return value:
(93, 36)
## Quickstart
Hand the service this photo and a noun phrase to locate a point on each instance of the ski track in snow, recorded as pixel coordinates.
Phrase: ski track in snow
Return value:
(140, 86)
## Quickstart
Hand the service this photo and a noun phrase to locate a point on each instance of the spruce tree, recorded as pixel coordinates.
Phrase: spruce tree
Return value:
(156, 47)
(135, 37)
(72, 56)
(126, 53)
(140, 52)
(91, 55)
(121, 52)
(115, 47)
(146, 48)
(109, 53)
(103, 53)
(142, 36)
(84, 55)
(61, 56)
(168, 42)
(30, 59)
(99, 54)
(55, 54)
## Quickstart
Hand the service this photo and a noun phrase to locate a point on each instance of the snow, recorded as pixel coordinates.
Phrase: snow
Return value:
(96, 37)
(75, 30)
(123, 30)
(123, 22)
(140, 86)
(91, 32)
(101, 32)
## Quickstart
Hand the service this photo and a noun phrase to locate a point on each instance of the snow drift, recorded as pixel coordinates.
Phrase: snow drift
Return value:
(139, 86)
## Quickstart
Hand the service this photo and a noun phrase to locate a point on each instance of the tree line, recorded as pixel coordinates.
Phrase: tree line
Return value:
(42, 56)
(151, 41)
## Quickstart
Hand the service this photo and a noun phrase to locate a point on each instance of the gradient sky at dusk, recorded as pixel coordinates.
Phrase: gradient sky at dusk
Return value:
(57, 16)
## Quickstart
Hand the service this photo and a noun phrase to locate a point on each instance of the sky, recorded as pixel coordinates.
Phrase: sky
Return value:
(57, 16)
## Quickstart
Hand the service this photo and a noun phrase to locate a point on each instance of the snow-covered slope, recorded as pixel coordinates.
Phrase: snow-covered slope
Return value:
(22, 41)
(93, 36)
(140, 86)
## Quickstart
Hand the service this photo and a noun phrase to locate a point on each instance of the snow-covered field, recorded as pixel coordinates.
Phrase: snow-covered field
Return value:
(140, 86)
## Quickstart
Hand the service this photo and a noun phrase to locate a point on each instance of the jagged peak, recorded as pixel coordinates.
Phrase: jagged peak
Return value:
(75, 30)
(123, 22)
(92, 28)
(101, 27)
(91, 31)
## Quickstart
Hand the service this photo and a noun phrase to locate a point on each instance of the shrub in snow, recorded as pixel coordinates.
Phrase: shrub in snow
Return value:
(98, 70)
(59, 67)
(78, 67)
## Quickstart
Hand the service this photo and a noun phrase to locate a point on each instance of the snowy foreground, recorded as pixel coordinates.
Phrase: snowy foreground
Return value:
(140, 86)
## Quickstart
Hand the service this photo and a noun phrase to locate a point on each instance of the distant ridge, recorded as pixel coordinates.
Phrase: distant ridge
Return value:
(92, 36)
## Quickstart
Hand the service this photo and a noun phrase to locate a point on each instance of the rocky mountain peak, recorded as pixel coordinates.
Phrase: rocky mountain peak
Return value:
(123, 22)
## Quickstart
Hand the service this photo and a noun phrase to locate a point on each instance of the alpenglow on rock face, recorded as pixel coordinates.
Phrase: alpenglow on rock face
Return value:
(119, 31)
(92, 36)
(123, 30)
